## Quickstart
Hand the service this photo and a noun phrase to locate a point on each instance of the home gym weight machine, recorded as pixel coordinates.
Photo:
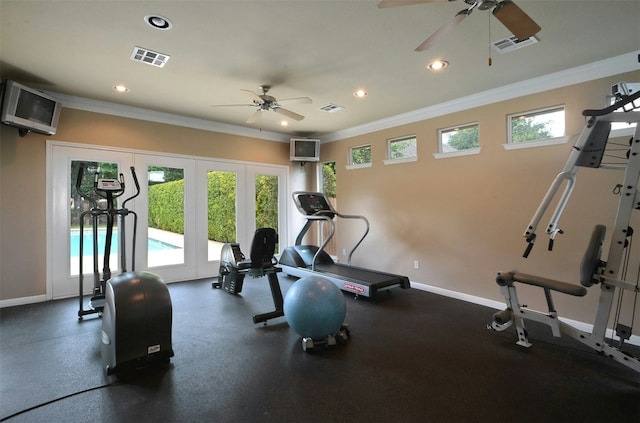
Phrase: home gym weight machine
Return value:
(108, 190)
(611, 274)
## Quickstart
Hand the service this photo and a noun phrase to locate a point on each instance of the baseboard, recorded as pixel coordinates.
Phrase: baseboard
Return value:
(458, 295)
(498, 305)
(22, 301)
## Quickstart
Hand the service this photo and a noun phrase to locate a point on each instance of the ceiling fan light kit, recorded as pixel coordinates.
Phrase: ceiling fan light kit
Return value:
(265, 102)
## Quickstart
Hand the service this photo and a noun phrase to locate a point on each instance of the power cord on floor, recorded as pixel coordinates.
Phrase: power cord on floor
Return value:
(95, 388)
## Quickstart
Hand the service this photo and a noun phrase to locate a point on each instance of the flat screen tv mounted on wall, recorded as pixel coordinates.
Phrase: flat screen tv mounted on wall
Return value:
(29, 109)
(305, 150)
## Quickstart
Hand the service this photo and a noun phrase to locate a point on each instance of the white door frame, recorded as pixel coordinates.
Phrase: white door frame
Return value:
(197, 265)
(60, 283)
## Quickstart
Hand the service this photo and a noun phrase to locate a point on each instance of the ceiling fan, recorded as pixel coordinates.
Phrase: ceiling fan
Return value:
(264, 102)
(510, 15)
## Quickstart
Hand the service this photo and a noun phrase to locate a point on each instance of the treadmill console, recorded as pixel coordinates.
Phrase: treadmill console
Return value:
(314, 204)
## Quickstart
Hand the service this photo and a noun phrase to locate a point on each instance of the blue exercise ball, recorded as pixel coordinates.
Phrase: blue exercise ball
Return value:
(315, 307)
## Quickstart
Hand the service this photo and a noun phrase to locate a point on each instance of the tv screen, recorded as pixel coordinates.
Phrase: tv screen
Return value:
(35, 108)
(305, 150)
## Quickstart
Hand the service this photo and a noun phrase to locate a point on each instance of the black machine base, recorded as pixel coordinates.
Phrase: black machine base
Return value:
(136, 323)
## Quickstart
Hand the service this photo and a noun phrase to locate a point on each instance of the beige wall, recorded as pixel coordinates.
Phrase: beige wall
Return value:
(462, 218)
(23, 179)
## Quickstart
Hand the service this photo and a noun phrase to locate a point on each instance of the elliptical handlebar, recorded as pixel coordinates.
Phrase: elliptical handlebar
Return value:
(79, 190)
(107, 188)
(136, 183)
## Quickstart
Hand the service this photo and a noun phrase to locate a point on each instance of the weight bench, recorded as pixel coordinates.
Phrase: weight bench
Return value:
(590, 269)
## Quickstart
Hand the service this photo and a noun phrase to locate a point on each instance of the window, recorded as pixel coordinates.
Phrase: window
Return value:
(327, 185)
(359, 156)
(537, 127)
(458, 140)
(402, 149)
(619, 129)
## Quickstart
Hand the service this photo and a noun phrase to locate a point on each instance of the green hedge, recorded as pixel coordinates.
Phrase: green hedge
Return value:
(221, 206)
(166, 205)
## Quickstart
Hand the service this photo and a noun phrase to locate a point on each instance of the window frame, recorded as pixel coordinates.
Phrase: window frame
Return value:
(541, 142)
(404, 159)
(352, 165)
(465, 152)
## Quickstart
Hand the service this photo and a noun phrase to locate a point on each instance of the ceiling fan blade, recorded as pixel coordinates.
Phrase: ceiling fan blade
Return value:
(255, 116)
(288, 113)
(297, 100)
(516, 21)
(393, 3)
(443, 30)
(255, 97)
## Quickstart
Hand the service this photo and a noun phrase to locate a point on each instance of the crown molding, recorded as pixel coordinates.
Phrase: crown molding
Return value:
(613, 66)
(601, 69)
(114, 109)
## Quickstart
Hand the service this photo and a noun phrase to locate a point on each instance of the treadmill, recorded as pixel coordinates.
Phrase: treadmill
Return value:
(307, 260)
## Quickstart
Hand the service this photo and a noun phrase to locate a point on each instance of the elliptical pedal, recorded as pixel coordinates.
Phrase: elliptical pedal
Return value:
(97, 302)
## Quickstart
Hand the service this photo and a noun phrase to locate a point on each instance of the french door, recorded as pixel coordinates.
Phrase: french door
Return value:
(187, 208)
(66, 207)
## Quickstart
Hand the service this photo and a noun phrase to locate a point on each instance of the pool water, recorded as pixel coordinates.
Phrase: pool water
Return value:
(153, 244)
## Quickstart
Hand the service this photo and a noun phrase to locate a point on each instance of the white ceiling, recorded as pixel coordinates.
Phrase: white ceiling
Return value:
(322, 49)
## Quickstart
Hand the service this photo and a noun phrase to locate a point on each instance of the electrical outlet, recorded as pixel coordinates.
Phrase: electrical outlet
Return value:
(416, 264)
(344, 252)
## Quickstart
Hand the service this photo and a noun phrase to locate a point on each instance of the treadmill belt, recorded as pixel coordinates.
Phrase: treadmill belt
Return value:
(362, 276)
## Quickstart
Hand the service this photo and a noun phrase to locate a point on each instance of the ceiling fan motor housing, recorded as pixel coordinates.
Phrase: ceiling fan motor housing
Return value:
(482, 4)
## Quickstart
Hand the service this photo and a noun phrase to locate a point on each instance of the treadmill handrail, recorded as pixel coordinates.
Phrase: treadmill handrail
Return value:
(327, 239)
(326, 215)
(366, 232)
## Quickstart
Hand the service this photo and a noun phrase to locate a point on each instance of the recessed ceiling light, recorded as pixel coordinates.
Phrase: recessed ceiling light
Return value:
(437, 65)
(120, 88)
(360, 93)
(284, 123)
(158, 22)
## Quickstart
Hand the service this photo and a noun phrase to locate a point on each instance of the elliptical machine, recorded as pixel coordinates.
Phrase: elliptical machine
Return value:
(109, 190)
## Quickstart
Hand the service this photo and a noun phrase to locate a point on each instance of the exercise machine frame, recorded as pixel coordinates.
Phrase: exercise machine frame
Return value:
(109, 190)
(234, 267)
(305, 260)
(588, 152)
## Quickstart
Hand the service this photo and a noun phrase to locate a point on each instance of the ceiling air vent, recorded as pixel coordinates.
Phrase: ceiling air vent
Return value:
(331, 108)
(149, 57)
(512, 43)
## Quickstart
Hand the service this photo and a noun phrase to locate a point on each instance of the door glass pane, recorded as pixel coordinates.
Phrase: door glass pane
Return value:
(267, 202)
(166, 216)
(329, 190)
(221, 211)
(80, 205)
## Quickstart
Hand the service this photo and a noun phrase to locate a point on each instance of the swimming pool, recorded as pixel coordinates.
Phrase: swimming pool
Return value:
(153, 244)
